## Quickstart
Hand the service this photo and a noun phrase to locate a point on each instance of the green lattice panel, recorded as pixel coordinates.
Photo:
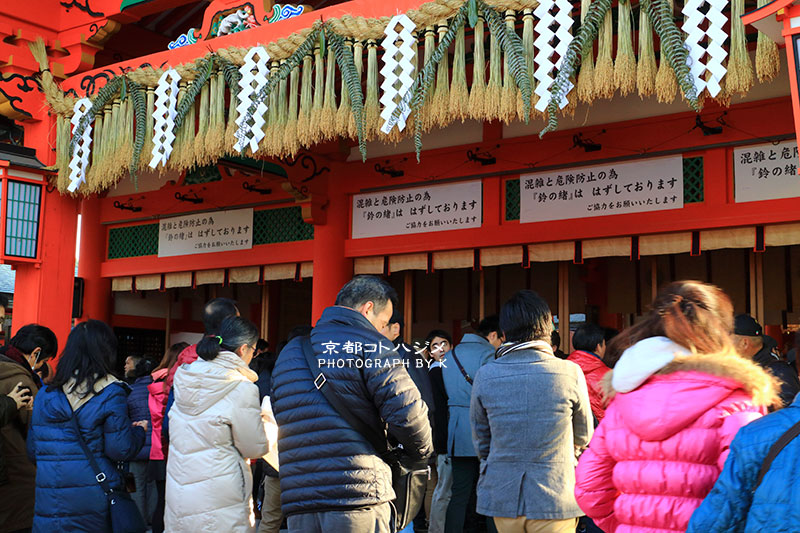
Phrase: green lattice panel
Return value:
(133, 241)
(512, 199)
(280, 225)
(692, 180)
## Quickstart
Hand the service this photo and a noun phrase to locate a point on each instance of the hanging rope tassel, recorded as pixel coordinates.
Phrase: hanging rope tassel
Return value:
(358, 58)
(216, 125)
(62, 151)
(440, 106)
(303, 119)
(646, 69)
(327, 123)
(427, 107)
(290, 131)
(666, 82)
(625, 63)
(477, 95)
(150, 102)
(272, 137)
(459, 93)
(344, 114)
(372, 104)
(494, 89)
(97, 145)
(200, 153)
(319, 96)
(585, 88)
(527, 42)
(186, 149)
(508, 103)
(604, 71)
(282, 147)
(768, 59)
(740, 77)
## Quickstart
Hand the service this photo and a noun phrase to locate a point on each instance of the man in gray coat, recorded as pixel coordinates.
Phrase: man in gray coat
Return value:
(530, 415)
(458, 371)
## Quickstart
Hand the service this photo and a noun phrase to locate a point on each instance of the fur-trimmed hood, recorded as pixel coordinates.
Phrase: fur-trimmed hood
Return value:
(685, 387)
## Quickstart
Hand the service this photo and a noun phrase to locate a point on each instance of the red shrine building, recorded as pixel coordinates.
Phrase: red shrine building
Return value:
(268, 152)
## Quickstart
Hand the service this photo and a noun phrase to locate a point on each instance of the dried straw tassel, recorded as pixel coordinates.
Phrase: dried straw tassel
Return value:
(646, 69)
(585, 87)
(508, 104)
(283, 116)
(477, 94)
(440, 107)
(319, 95)
(740, 77)
(215, 136)
(125, 155)
(96, 146)
(625, 63)
(604, 71)
(304, 118)
(290, 141)
(100, 161)
(527, 43)
(358, 58)
(147, 150)
(62, 151)
(272, 137)
(372, 104)
(768, 59)
(200, 153)
(229, 141)
(427, 112)
(327, 122)
(183, 152)
(459, 93)
(344, 113)
(494, 89)
(666, 82)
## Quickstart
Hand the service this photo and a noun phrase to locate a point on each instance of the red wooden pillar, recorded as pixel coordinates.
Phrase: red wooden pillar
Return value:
(331, 268)
(97, 290)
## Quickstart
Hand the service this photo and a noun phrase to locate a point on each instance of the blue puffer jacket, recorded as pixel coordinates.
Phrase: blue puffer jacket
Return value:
(325, 464)
(731, 506)
(138, 409)
(68, 498)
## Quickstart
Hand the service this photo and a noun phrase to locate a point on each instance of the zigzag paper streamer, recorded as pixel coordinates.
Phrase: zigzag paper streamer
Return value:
(397, 71)
(164, 117)
(79, 162)
(716, 38)
(254, 77)
(544, 50)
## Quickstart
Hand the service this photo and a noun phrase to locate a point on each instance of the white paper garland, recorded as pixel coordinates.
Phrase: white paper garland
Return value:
(716, 38)
(254, 77)
(544, 50)
(164, 117)
(79, 161)
(397, 71)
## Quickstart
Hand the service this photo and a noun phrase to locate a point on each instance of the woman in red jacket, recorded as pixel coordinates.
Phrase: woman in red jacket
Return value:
(680, 394)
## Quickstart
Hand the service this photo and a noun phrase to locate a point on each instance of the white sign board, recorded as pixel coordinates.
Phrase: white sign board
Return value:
(766, 172)
(220, 231)
(610, 189)
(418, 210)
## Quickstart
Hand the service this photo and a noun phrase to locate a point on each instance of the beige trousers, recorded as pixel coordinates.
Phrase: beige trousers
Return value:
(524, 525)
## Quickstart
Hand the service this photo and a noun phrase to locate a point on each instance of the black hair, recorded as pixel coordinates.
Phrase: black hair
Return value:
(217, 310)
(555, 339)
(89, 356)
(363, 289)
(488, 325)
(397, 318)
(4, 301)
(526, 317)
(262, 345)
(437, 333)
(609, 333)
(233, 332)
(587, 337)
(298, 331)
(33, 336)
(143, 367)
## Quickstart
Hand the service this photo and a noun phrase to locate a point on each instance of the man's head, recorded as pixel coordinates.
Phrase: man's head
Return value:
(526, 317)
(37, 343)
(394, 328)
(555, 340)
(747, 335)
(262, 346)
(130, 365)
(217, 310)
(590, 338)
(370, 296)
(489, 329)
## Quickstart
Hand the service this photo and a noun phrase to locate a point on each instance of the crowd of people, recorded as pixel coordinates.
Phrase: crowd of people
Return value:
(685, 421)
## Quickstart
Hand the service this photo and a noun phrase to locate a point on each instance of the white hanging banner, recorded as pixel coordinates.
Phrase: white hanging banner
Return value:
(164, 117)
(609, 189)
(397, 71)
(766, 172)
(203, 233)
(79, 162)
(254, 77)
(544, 50)
(715, 36)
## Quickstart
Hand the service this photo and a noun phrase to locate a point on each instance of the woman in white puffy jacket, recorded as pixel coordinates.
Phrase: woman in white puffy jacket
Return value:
(215, 425)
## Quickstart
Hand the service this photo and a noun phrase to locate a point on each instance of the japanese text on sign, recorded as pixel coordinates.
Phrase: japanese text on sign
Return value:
(766, 172)
(418, 210)
(615, 188)
(219, 231)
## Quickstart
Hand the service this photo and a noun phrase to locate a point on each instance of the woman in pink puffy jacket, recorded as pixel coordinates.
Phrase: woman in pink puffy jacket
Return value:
(679, 393)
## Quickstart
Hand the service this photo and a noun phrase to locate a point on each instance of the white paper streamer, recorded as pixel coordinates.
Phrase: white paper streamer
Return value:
(716, 38)
(397, 71)
(544, 50)
(79, 162)
(254, 77)
(164, 117)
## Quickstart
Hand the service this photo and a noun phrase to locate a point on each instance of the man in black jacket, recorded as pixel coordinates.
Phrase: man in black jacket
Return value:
(331, 477)
(750, 343)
